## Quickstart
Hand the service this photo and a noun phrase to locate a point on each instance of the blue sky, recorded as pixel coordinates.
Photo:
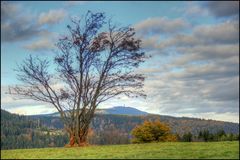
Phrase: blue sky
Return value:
(194, 69)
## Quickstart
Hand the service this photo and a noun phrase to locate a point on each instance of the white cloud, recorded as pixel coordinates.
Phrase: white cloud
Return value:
(163, 25)
(226, 32)
(205, 35)
(17, 24)
(52, 16)
(151, 42)
(206, 53)
(40, 45)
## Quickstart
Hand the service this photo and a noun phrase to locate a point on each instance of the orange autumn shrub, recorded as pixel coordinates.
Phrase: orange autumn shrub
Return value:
(152, 132)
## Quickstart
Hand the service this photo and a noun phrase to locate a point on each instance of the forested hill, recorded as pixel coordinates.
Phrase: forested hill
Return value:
(46, 131)
(126, 118)
(25, 132)
(126, 123)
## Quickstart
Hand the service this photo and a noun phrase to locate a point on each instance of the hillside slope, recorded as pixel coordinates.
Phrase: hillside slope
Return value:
(26, 132)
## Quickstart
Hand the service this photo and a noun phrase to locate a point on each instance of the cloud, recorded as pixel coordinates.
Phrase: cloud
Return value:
(228, 91)
(196, 72)
(52, 16)
(206, 53)
(150, 42)
(223, 8)
(17, 25)
(8, 11)
(8, 101)
(227, 116)
(16, 104)
(171, 96)
(179, 40)
(40, 45)
(206, 72)
(219, 9)
(158, 25)
(147, 70)
(31, 110)
(226, 32)
(213, 40)
(194, 9)
(18, 31)
(195, 89)
(74, 3)
(222, 33)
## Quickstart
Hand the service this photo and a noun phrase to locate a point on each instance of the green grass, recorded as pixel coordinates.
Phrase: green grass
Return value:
(179, 150)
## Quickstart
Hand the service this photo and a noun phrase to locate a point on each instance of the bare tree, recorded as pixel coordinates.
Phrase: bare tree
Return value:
(95, 63)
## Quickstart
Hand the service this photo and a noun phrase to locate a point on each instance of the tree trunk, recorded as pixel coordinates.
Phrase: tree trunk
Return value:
(78, 140)
(78, 132)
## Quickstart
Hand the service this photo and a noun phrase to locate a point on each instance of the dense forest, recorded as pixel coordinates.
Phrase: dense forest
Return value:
(24, 132)
(47, 131)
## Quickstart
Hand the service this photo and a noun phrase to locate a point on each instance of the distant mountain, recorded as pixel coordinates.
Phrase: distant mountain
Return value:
(123, 111)
(118, 110)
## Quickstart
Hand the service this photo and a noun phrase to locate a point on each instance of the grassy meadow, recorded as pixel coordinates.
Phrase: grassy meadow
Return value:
(179, 150)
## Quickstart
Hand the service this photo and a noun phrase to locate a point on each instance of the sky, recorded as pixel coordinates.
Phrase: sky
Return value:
(193, 71)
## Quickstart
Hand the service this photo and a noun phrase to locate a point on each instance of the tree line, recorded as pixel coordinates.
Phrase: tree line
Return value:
(207, 136)
(156, 131)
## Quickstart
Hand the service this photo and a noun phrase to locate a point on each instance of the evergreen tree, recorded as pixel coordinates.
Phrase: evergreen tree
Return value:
(187, 137)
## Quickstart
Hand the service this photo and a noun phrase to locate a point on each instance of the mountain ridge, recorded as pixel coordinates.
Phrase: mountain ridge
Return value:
(124, 110)
(131, 111)
(116, 110)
